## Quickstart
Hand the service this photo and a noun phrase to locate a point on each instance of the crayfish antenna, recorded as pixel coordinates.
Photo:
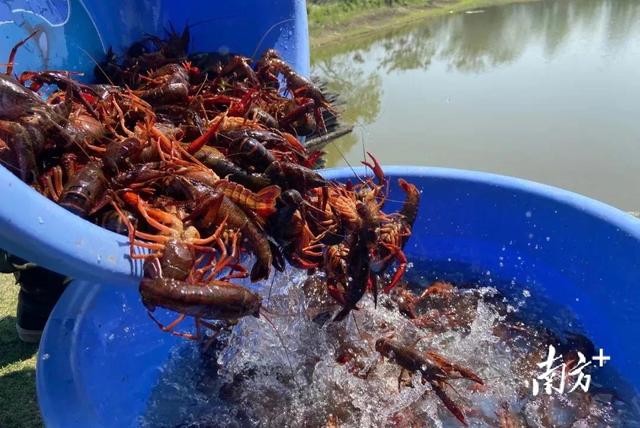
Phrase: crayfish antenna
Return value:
(14, 51)
(104, 73)
(355, 322)
(286, 351)
(273, 279)
(266, 33)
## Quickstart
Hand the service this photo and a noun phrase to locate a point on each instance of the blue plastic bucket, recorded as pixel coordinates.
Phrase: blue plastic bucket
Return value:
(72, 33)
(101, 356)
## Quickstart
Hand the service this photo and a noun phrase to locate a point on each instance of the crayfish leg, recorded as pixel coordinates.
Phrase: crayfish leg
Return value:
(216, 332)
(169, 328)
(402, 267)
(401, 378)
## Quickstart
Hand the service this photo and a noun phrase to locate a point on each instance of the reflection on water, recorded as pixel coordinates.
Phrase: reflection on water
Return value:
(544, 91)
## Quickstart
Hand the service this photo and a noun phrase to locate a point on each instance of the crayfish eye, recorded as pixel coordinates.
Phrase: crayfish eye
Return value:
(292, 197)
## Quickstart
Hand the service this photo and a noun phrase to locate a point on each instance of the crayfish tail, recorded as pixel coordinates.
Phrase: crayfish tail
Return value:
(267, 198)
(260, 271)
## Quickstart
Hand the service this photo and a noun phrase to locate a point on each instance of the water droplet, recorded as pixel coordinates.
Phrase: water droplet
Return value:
(548, 238)
(526, 293)
(45, 356)
(98, 258)
(126, 329)
(528, 214)
(40, 220)
(531, 236)
(111, 336)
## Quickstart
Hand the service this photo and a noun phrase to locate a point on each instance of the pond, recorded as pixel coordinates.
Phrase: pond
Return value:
(545, 91)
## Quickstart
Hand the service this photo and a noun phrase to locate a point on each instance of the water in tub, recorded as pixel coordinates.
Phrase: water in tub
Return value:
(293, 367)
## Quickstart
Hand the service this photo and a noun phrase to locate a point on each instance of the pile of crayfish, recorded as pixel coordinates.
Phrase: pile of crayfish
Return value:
(197, 159)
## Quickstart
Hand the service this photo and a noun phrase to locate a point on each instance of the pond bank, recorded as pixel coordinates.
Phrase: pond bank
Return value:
(516, 90)
(330, 27)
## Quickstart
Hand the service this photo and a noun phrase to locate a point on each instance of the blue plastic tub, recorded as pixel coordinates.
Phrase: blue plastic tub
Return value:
(72, 33)
(101, 355)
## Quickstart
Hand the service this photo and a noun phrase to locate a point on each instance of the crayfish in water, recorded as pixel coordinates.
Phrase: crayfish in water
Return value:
(379, 368)
(431, 367)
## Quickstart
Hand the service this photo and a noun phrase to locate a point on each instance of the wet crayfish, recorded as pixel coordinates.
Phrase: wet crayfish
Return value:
(374, 239)
(196, 158)
(430, 366)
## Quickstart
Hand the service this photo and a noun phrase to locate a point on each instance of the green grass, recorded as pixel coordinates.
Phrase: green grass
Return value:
(19, 407)
(338, 11)
(335, 21)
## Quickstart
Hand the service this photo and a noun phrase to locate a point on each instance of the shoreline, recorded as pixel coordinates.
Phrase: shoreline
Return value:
(371, 22)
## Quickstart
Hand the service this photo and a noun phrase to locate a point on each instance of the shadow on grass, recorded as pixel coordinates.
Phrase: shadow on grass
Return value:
(18, 397)
(12, 349)
(19, 406)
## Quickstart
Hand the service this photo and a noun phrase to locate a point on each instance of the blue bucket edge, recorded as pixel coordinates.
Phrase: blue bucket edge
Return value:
(612, 216)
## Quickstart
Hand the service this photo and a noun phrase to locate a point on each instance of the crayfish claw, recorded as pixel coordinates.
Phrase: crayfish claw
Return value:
(449, 403)
(452, 369)
(376, 168)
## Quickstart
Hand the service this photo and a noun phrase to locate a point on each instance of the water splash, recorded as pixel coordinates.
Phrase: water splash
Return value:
(324, 371)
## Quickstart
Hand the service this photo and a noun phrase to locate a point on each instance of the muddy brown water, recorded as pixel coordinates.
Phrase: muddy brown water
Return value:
(545, 91)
